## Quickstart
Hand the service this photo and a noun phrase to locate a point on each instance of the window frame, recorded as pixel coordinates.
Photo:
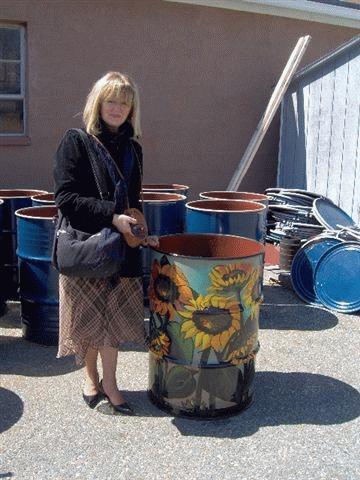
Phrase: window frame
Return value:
(23, 92)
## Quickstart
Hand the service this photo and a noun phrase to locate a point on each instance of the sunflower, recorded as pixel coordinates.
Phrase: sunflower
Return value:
(251, 294)
(168, 289)
(245, 352)
(160, 345)
(211, 320)
(229, 278)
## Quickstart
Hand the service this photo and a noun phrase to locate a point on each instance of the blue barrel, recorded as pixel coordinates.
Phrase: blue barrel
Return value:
(304, 265)
(13, 200)
(205, 294)
(2, 296)
(166, 188)
(165, 215)
(43, 199)
(236, 217)
(232, 195)
(39, 281)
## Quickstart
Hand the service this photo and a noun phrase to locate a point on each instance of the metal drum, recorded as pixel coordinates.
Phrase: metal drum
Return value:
(205, 295)
(288, 249)
(231, 195)
(304, 265)
(236, 217)
(13, 200)
(2, 296)
(337, 278)
(165, 215)
(43, 200)
(39, 281)
(165, 188)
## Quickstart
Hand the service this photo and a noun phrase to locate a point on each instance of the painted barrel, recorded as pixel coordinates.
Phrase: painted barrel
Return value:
(14, 199)
(304, 265)
(234, 217)
(43, 199)
(165, 215)
(205, 295)
(233, 195)
(39, 281)
(166, 188)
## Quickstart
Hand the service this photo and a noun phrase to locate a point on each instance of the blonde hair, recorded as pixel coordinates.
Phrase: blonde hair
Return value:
(113, 84)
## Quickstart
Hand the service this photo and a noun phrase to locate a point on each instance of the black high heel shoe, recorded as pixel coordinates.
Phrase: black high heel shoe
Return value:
(111, 409)
(92, 400)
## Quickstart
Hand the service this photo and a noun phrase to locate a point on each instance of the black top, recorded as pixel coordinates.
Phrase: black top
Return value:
(76, 193)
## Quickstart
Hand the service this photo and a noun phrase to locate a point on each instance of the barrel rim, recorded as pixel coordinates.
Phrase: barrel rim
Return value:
(261, 206)
(165, 186)
(19, 213)
(38, 196)
(204, 196)
(164, 200)
(19, 190)
(178, 255)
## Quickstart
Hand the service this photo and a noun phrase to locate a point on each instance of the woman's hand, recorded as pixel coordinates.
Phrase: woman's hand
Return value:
(123, 223)
(150, 241)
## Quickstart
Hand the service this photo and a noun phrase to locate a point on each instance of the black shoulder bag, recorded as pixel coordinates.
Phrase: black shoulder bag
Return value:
(80, 254)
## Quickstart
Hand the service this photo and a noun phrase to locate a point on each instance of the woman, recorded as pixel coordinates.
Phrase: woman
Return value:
(100, 315)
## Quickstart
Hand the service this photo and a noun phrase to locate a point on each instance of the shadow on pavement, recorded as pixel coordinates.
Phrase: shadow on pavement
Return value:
(11, 409)
(295, 317)
(283, 399)
(20, 357)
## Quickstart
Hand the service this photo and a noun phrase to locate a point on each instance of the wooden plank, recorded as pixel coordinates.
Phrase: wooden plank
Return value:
(270, 111)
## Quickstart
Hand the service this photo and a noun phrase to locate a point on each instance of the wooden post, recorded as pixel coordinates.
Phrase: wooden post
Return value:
(270, 111)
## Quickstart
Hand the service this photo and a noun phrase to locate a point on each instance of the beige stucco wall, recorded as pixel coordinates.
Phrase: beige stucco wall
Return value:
(205, 76)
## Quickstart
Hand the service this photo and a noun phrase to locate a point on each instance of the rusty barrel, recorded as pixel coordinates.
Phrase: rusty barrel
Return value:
(233, 195)
(205, 294)
(39, 281)
(234, 217)
(43, 199)
(14, 199)
(166, 188)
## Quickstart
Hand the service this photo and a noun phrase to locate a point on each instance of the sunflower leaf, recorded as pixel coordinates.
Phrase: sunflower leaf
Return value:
(221, 382)
(179, 382)
(181, 349)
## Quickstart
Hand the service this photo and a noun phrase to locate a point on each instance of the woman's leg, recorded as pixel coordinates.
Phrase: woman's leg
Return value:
(91, 372)
(109, 361)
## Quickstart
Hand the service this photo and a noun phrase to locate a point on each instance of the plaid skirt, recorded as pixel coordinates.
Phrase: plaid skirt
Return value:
(99, 313)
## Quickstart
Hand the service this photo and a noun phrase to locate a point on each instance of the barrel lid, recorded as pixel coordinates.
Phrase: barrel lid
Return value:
(304, 265)
(330, 215)
(340, 292)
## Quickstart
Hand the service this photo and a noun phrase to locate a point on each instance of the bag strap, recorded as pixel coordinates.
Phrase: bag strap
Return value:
(92, 158)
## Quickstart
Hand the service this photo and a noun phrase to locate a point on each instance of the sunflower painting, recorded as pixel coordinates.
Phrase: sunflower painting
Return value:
(202, 344)
(210, 321)
(251, 295)
(168, 290)
(160, 344)
(229, 279)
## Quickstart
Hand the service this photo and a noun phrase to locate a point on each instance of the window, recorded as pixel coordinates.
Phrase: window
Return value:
(12, 82)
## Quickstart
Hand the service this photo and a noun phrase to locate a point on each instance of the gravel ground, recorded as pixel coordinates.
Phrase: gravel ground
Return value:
(304, 423)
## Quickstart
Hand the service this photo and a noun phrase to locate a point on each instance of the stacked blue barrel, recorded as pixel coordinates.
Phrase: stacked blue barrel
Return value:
(2, 297)
(39, 282)
(13, 199)
(164, 210)
(43, 199)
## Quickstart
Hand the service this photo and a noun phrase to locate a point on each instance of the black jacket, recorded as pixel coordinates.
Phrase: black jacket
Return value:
(76, 193)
